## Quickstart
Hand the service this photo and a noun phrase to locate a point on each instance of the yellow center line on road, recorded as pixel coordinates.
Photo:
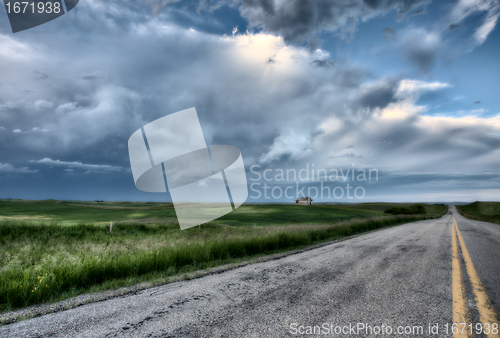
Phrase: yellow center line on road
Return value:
(460, 306)
(487, 313)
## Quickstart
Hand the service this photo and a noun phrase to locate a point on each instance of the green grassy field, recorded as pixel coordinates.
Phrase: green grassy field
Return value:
(482, 211)
(51, 250)
(74, 212)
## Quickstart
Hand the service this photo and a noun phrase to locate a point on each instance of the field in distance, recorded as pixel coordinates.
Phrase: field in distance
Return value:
(77, 212)
(51, 250)
(482, 211)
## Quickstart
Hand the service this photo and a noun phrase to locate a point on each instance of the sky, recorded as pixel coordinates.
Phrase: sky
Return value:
(404, 89)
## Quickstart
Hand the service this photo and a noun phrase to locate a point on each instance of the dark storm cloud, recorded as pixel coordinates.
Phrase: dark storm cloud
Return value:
(301, 20)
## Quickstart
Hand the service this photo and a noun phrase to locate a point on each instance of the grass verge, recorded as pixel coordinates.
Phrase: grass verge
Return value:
(481, 211)
(60, 274)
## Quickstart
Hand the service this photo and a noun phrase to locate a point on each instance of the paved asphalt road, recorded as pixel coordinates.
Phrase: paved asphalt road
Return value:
(401, 277)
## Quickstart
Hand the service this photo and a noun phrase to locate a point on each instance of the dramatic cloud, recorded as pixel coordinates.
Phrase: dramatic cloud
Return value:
(272, 111)
(301, 20)
(74, 101)
(419, 143)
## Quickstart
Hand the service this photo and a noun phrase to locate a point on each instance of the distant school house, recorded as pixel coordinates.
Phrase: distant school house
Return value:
(303, 201)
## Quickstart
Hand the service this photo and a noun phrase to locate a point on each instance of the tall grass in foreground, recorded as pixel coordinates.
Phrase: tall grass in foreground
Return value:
(24, 284)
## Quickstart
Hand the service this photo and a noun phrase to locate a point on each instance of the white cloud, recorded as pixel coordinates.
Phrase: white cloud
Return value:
(409, 87)
(466, 8)
(12, 49)
(485, 29)
(42, 105)
(77, 165)
(39, 129)
(290, 145)
(463, 113)
(66, 107)
(35, 129)
(8, 168)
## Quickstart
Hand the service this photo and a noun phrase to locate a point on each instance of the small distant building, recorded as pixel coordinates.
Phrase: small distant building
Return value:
(303, 201)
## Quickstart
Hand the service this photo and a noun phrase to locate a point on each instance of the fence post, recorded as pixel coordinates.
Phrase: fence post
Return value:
(110, 226)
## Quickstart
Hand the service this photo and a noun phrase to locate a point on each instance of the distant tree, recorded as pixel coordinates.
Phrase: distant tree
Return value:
(417, 209)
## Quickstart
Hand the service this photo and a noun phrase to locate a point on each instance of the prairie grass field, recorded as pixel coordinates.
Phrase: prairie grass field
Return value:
(51, 250)
(481, 211)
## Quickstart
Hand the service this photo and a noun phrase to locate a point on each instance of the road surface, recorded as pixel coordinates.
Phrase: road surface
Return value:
(400, 279)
